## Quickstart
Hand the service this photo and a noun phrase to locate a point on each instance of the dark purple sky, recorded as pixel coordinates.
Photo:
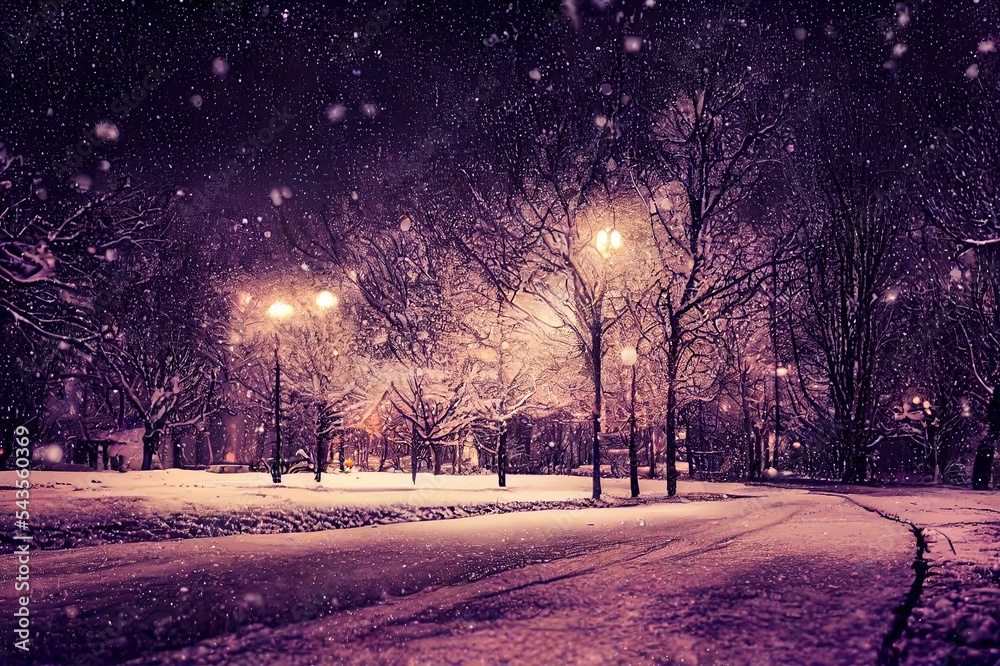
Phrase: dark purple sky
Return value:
(70, 72)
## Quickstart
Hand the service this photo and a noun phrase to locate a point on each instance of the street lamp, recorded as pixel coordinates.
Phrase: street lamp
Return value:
(607, 240)
(629, 358)
(278, 310)
(326, 299)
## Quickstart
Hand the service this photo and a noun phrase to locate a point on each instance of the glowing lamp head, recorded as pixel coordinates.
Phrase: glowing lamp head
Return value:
(782, 371)
(279, 310)
(326, 299)
(629, 356)
(917, 400)
(602, 241)
(616, 240)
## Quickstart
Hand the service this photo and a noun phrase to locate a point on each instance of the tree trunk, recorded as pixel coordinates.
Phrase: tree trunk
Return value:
(633, 455)
(671, 435)
(150, 442)
(502, 456)
(177, 452)
(982, 468)
(756, 462)
(937, 460)
(768, 445)
(527, 452)
(199, 442)
(435, 453)
(596, 340)
(652, 453)
(414, 454)
(385, 453)
(671, 423)
(208, 446)
(857, 463)
(323, 426)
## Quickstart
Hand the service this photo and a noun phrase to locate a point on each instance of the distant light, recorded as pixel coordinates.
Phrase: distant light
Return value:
(326, 299)
(782, 371)
(629, 356)
(917, 400)
(52, 453)
(616, 240)
(280, 310)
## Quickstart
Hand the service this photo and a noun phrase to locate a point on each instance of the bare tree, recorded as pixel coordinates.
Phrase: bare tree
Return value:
(857, 214)
(52, 253)
(161, 341)
(50, 256)
(506, 383)
(958, 193)
(713, 130)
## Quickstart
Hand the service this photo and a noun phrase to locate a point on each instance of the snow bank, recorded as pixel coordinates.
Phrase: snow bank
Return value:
(179, 504)
(957, 619)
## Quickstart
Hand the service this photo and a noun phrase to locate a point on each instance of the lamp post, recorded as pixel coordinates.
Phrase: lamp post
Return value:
(606, 242)
(629, 358)
(779, 372)
(324, 300)
(278, 310)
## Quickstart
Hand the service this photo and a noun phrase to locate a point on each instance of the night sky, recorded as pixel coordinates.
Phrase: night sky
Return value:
(231, 69)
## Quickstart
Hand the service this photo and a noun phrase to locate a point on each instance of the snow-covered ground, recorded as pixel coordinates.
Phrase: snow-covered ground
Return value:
(773, 557)
(77, 509)
(957, 617)
(179, 490)
(785, 578)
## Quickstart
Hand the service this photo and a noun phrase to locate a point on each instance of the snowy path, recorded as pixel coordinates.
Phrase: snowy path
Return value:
(815, 578)
(957, 616)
